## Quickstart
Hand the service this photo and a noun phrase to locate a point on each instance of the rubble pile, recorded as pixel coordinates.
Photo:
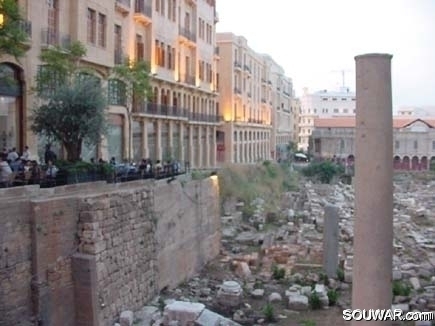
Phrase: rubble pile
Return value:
(276, 259)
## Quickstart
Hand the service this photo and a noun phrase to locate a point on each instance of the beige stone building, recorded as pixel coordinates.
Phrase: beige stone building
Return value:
(255, 103)
(414, 141)
(177, 37)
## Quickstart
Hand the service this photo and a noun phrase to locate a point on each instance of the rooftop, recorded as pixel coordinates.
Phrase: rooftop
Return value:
(349, 122)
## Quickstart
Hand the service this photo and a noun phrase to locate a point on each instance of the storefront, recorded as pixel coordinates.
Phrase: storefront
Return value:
(11, 107)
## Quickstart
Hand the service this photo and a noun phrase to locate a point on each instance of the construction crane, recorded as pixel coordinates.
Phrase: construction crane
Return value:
(343, 75)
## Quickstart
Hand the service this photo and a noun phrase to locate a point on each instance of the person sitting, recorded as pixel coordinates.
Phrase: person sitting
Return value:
(5, 171)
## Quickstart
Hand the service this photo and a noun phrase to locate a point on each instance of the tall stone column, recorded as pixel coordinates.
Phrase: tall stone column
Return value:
(159, 140)
(207, 146)
(200, 149)
(213, 147)
(181, 143)
(171, 139)
(373, 235)
(145, 150)
(191, 152)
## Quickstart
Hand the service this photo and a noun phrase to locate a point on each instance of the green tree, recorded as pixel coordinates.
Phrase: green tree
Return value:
(12, 33)
(136, 76)
(73, 108)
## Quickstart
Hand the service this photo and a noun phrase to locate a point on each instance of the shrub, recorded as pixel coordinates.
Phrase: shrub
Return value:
(324, 279)
(269, 312)
(340, 274)
(308, 323)
(314, 301)
(278, 273)
(401, 289)
(333, 297)
(323, 171)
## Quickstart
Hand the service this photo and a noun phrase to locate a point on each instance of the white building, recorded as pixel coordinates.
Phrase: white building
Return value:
(420, 112)
(323, 104)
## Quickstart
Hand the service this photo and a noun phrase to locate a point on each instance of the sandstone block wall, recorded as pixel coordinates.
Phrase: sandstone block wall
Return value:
(79, 255)
(15, 262)
(188, 229)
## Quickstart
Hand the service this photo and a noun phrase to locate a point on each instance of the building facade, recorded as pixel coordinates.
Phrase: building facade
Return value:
(323, 104)
(255, 103)
(414, 141)
(176, 37)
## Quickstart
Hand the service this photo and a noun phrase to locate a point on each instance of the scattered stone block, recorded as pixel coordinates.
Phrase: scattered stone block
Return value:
(126, 318)
(298, 302)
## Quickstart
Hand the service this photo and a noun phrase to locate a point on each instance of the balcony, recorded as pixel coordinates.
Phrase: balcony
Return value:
(237, 91)
(256, 121)
(123, 6)
(203, 117)
(216, 51)
(263, 81)
(143, 12)
(187, 36)
(247, 69)
(286, 93)
(238, 65)
(51, 37)
(249, 94)
(263, 100)
(189, 79)
(161, 110)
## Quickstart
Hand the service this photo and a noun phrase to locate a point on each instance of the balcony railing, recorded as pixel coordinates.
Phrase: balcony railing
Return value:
(26, 27)
(52, 37)
(203, 117)
(257, 121)
(237, 64)
(247, 68)
(189, 79)
(237, 90)
(263, 100)
(187, 34)
(143, 7)
(175, 112)
(264, 81)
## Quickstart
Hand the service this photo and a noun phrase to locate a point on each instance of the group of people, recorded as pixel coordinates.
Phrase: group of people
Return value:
(20, 168)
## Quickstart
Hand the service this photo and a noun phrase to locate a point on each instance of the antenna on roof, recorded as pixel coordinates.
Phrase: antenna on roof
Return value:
(343, 75)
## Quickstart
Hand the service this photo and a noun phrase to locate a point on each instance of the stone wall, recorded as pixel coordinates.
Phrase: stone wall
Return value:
(80, 255)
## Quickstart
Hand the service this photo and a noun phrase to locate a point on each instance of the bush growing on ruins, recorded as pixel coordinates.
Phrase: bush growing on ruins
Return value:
(401, 289)
(269, 312)
(323, 171)
(278, 273)
(324, 279)
(308, 323)
(332, 297)
(314, 301)
(340, 274)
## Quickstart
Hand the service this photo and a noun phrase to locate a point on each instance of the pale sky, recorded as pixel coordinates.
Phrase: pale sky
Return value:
(315, 39)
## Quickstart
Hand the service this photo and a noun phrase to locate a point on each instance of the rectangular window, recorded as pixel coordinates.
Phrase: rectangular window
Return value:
(139, 48)
(169, 50)
(158, 5)
(118, 45)
(157, 53)
(396, 144)
(174, 6)
(433, 145)
(415, 144)
(102, 30)
(91, 26)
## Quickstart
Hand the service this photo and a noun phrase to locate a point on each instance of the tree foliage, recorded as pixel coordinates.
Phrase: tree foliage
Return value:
(73, 109)
(12, 33)
(136, 76)
(323, 171)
